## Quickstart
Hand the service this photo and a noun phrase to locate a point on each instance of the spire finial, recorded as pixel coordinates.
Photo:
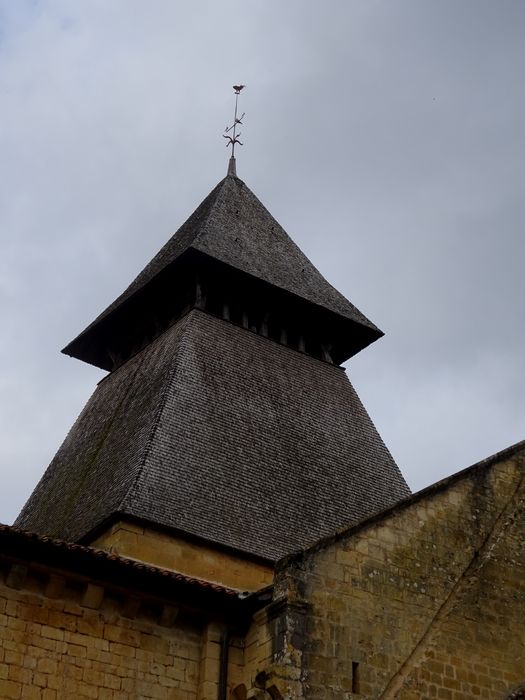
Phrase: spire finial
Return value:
(234, 137)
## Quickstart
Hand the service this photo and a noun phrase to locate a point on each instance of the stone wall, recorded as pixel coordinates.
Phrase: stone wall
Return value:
(77, 641)
(427, 601)
(251, 657)
(79, 622)
(178, 554)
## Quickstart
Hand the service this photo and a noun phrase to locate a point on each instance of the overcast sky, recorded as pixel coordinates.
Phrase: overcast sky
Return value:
(386, 136)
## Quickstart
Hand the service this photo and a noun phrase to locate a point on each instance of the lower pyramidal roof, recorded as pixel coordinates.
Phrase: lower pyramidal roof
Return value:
(222, 434)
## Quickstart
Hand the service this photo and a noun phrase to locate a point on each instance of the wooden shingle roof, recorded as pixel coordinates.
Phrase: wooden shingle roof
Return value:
(217, 432)
(232, 227)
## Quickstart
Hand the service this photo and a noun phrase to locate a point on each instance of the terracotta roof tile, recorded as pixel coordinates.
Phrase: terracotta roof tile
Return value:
(21, 538)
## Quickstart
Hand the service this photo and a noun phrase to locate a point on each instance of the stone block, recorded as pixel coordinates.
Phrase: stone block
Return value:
(10, 690)
(93, 596)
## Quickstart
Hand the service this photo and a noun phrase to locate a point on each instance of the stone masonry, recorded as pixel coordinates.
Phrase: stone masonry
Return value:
(81, 645)
(424, 601)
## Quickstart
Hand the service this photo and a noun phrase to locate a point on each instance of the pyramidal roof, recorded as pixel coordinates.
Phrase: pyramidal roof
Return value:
(234, 227)
(221, 434)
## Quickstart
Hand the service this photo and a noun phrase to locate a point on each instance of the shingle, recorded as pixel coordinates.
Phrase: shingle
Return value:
(222, 434)
(233, 226)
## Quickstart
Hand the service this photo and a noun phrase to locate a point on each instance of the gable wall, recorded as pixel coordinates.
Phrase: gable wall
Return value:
(429, 601)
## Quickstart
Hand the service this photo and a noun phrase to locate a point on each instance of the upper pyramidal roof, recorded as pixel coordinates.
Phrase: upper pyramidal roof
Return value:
(233, 227)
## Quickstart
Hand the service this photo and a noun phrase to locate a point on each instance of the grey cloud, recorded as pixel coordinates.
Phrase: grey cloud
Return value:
(386, 137)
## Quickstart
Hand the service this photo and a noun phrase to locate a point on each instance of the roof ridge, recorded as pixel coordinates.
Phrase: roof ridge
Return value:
(203, 229)
(105, 434)
(163, 400)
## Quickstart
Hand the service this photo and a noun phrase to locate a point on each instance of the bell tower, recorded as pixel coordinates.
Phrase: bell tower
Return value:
(226, 429)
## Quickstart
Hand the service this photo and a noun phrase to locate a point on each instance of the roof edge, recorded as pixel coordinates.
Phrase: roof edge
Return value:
(28, 542)
(108, 311)
(369, 329)
(163, 398)
(123, 573)
(436, 487)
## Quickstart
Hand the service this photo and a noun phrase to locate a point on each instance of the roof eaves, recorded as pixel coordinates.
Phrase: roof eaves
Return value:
(98, 563)
(128, 293)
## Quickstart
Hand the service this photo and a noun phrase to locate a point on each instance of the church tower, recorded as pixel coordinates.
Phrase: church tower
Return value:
(226, 434)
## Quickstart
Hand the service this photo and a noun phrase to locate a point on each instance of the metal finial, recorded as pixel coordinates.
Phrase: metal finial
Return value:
(234, 137)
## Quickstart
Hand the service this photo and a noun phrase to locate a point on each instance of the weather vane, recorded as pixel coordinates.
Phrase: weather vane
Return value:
(233, 137)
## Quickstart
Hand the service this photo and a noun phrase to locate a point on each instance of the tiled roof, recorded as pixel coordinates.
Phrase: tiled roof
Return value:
(17, 540)
(222, 434)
